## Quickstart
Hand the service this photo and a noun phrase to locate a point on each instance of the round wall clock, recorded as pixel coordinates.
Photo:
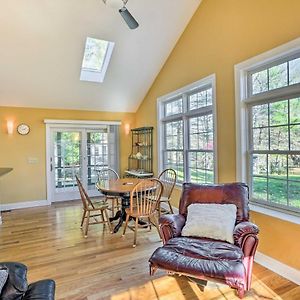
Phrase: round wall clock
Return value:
(23, 129)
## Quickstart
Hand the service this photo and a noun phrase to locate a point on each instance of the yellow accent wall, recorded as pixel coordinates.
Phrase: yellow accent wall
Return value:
(27, 182)
(221, 34)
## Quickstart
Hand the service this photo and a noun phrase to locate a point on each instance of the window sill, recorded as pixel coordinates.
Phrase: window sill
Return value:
(275, 213)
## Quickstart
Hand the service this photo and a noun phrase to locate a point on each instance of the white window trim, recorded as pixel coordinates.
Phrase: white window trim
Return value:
(240, 72)
(209, 80)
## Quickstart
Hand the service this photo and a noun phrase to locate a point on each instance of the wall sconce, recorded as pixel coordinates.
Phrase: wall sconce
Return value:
(10, 127)
(127, 128)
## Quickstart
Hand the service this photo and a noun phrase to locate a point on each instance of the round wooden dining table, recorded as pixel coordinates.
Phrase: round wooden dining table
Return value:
(119, 188)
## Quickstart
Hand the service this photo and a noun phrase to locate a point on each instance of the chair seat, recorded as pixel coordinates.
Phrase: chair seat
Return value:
(164, 199)
(99, 205)
(201, 258)
(134, 213)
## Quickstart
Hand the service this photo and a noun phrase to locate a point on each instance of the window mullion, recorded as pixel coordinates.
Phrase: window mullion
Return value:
(185, 138)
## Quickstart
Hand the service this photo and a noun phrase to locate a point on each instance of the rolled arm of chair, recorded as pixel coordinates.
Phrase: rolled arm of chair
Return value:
(170, 226)
(242, 231)
(41, 290)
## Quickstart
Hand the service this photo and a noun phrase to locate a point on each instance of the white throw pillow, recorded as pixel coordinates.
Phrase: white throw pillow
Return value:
(214, 221)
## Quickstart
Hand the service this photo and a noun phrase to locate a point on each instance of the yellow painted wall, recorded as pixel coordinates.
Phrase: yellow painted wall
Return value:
(221, 34)
(27, 182)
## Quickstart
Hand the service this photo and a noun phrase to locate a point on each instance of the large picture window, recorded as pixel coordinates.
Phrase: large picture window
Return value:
(186, 132)
(272, 131)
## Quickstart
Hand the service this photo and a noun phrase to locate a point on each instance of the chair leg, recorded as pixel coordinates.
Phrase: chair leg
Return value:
(126, 224)
(113, 207)
(171, 208)
(135, 231)
(107, 221)
(150, 226)
(83, 217)
(87, 224)
(102, 217)
(154, 221)
(159, 210)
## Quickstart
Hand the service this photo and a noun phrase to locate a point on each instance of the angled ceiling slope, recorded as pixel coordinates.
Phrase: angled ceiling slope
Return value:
(42, 45)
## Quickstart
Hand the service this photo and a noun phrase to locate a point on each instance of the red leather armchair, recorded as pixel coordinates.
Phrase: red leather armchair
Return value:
(204, 258)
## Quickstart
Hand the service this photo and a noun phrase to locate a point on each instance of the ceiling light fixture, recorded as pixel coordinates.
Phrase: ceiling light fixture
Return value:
(126, 15)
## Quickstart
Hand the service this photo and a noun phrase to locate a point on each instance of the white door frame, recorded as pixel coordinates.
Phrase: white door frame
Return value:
(68, 124)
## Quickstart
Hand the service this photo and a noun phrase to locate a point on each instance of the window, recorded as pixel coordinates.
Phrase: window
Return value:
(271, 104)
(96, 58)
(186, 132)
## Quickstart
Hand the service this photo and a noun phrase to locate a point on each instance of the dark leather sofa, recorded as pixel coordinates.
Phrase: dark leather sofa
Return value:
(209, 259)
(17, 288)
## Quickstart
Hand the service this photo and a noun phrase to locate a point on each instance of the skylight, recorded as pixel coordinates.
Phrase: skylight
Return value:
(96, 58)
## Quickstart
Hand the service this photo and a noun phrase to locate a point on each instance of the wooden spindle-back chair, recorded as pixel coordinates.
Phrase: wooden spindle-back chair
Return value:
(92, 210)
(106, 174)
(168, 178)
(144, 200)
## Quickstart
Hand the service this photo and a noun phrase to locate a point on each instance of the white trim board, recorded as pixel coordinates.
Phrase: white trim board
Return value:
(20, 205)
(81, 122)
(278, 267)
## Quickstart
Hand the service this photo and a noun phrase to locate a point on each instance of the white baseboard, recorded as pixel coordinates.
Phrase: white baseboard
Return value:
(278, 267)
(27, 204)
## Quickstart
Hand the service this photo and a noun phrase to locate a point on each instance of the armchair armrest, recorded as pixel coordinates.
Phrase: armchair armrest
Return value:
(41, 290)
(170, 226)
(243, 230)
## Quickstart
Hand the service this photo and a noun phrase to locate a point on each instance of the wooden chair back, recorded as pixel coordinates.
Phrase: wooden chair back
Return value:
(145, 197)
(86, 201)
(106, 174)
(168, 178)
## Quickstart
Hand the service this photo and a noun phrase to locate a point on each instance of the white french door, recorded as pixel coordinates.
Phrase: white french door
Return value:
(82, 152)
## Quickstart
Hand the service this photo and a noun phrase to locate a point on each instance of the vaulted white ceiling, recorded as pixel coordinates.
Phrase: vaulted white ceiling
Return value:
(42, 44)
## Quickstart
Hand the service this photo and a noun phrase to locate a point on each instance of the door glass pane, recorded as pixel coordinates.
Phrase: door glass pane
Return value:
(97, 155)
(67, 159)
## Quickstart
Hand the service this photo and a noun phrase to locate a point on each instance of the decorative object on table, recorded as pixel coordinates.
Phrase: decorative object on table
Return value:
(144, 200)
(16, 286)
(105, 174)
(209, 259)
(168, 178)
(140, 161)
(92, 210)
(23, 129)
(126, 15)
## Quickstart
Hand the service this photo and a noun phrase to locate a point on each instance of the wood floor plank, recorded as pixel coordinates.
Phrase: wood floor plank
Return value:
(105, 266)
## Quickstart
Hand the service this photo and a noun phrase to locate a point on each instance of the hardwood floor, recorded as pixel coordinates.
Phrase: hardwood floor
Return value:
(105, 266)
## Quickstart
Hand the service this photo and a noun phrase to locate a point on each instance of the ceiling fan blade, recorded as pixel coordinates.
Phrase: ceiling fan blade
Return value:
(128, 18)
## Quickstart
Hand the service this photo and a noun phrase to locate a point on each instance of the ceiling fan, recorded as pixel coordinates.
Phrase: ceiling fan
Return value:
(126, 15)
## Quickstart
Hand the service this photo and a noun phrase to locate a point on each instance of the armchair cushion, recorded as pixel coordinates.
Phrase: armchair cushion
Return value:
(201, 258)
(214, 221)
